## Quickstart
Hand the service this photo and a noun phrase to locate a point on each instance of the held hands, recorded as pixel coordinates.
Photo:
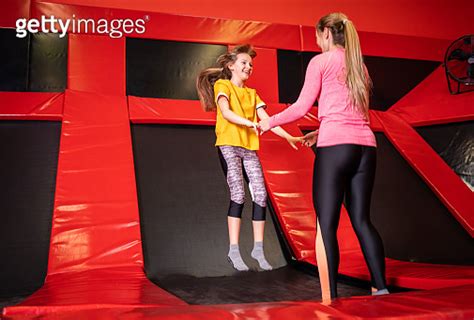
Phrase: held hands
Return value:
(254, 126)
(308, 140)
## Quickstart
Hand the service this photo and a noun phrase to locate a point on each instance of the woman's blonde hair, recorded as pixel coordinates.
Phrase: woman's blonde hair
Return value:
(206, 79)
(357, 78)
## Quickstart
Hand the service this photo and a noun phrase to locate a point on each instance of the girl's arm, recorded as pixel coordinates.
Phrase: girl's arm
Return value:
(230, 116)
(262, 114)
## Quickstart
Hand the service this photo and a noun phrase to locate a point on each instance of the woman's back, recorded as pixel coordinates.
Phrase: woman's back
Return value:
(340, 121)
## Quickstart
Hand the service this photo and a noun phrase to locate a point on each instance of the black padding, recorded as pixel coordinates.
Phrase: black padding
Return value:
(454, 142)
(290, 75)
(28, 173)
(414, 224)
(183, 199)
(167, 69)
(48, 62)
(392, 77)
(13, 61)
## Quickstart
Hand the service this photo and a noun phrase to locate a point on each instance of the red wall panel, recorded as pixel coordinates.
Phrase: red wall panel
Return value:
(95, 220)
(96, 64)
(434, 19)
(11, 10)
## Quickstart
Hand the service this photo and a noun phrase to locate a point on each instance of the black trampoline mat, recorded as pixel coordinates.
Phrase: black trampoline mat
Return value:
(183, 200)
(284, 284)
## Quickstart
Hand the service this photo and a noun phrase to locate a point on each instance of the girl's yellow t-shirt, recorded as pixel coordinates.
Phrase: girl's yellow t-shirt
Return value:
(243, 102)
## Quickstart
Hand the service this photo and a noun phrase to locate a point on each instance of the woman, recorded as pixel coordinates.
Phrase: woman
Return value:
(346, 148)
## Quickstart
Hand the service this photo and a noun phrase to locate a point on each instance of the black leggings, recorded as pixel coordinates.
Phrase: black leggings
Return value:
(346, 170)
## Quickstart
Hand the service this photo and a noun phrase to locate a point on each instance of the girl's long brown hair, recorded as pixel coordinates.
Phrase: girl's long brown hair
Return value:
(357, 78)
(206, 79)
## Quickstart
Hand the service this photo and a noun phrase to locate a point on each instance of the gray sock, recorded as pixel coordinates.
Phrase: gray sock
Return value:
(235, 258)
(257, 254)
(380, 292)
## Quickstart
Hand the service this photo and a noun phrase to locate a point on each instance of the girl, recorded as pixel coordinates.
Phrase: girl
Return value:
(345, 156)
(237, 140)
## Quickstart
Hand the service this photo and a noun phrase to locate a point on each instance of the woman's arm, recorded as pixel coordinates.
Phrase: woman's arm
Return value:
(262, 115)
(306, 99)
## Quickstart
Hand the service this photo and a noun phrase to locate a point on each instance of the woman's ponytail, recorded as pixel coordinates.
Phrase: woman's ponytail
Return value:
(358, 80)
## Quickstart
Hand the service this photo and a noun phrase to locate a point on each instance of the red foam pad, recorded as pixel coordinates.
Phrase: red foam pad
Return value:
(386, 45)
(95, 221)
(184, 28)
(31, 106)
(444, 182)
(168, 111)
(431, 103)
(451, 303)
(120, 288)
(96, 64)
(375, 123)
(448, 303)
(265, 75)
(407, 274)
(13, 10)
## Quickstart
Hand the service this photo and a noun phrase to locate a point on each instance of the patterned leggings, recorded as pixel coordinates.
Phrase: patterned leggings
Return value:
(231, 160)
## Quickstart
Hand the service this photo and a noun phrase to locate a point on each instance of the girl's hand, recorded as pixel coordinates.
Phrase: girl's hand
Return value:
(254, 126)
(293, 141)
(310, 138)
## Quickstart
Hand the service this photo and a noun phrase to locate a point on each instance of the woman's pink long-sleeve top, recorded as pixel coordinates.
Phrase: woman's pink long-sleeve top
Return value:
(340, 122)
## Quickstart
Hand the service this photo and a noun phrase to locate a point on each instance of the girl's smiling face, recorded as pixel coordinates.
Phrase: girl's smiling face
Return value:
(242, 67)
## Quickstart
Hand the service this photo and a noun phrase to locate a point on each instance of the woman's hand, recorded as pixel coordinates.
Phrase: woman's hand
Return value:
(264, 125)
(293, 141)
(310, 138)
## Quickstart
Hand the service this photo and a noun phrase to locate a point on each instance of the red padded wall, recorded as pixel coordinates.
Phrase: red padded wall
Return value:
(97, 64)
(95, 221)
(11, 10)
(444, 182)
(265, 75)
(431, 103)
(31, 106)
(434, 19)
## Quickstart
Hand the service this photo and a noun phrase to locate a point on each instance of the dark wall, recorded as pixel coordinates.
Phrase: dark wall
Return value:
(454, 142)
(183, 200)
(28, 173)
(37, 62)
(167, 69)
(392, 77)
(13, 61)
(48, 63)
